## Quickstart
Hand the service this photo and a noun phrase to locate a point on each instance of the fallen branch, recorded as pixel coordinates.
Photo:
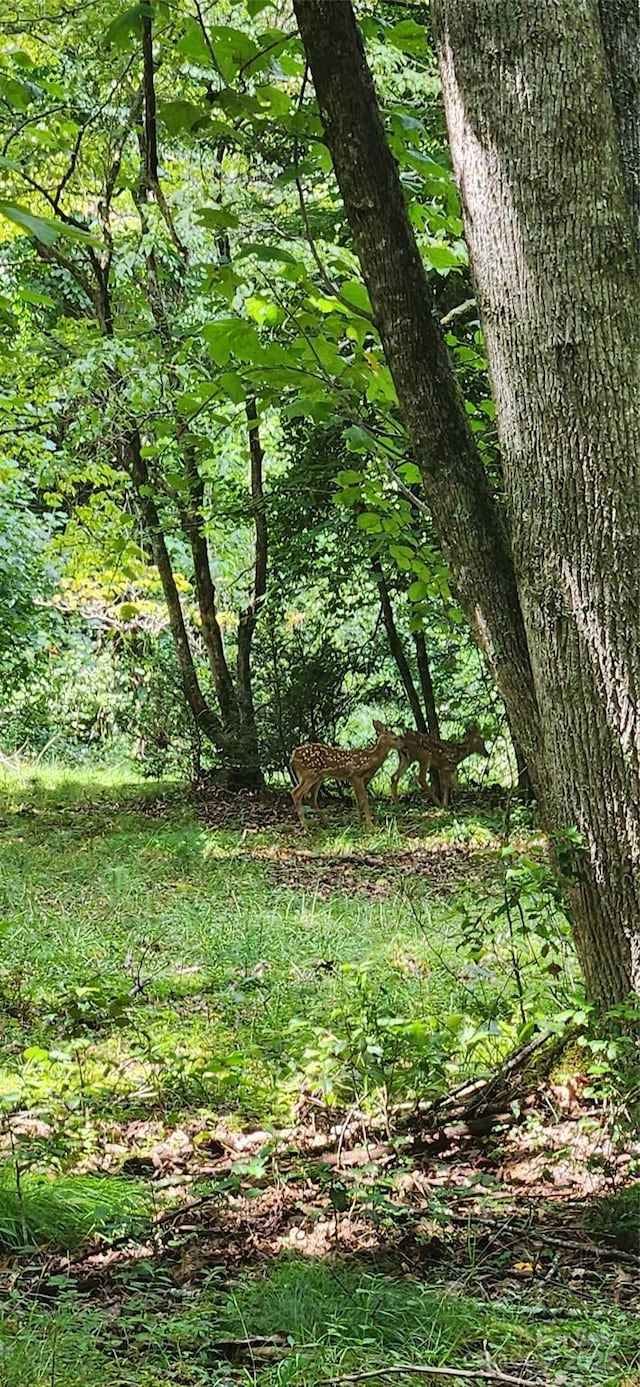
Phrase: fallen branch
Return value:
(420, 1370)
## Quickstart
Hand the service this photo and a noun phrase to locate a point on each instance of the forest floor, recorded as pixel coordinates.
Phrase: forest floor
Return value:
(220, 1044)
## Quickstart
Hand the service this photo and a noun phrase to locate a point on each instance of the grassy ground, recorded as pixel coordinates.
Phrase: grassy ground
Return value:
(204, 1019)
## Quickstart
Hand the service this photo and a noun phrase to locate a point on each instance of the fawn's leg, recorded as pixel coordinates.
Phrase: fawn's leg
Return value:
(297, 794)
(314, 801)
(363, 802)
(424, 767)
(447, 778)
(403, 765)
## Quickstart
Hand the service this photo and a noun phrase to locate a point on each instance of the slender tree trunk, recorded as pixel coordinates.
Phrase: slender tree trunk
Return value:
(249, 617)
(395, 645)
(203, 716)
(194, 527)
(426, 684)
(557, 277)
(240, 743)
(433, 721)
(471, 528)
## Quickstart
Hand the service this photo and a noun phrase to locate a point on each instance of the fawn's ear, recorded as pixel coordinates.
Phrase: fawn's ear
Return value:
(379, 727)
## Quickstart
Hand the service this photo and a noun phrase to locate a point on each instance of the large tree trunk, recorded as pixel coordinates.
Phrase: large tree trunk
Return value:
(469, 522)
(528, 101)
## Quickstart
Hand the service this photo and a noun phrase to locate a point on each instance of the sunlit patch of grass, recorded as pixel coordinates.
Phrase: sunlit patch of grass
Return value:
(67, 1211)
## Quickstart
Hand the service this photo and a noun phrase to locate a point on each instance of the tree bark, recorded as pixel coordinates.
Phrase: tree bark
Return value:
(554, 253)
(150, 124)
(469, 522)
(620, 21)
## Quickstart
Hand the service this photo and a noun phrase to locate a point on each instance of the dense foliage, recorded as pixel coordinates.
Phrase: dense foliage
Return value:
(195, 370)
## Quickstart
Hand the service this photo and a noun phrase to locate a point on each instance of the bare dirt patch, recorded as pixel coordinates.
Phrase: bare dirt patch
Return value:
(443, 867)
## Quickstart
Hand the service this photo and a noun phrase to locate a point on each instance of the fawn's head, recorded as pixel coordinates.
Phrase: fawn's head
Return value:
(386, 737)
(475, 741)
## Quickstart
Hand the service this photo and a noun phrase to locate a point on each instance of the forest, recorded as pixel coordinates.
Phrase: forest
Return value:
(319, 693)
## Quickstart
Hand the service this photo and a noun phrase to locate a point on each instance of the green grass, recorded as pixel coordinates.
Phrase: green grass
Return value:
(328, 1319)
(67, 1212)
(158, 970)
(149, 962)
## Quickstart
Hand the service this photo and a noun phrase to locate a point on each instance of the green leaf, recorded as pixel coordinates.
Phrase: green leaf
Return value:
(16, 94)
(418, 591)
(410, 473)
(7, 315)
(408, 37)
(233, 386)
(359, 440)
(193, 45)
(45, 229)
(443, 257)
(274, 101)
(233, 49)
(263, 312)
(262, 251)
(181, 115)
(217, 218)
(370, 522)
(402, 555)
(194, 400)
(340, 1198)
(31, 296)
(428, 167)
(349, 477)
(126, 23)
(305, 407)
(380, 386)
(354, 291)
(231, 336)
